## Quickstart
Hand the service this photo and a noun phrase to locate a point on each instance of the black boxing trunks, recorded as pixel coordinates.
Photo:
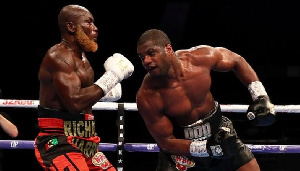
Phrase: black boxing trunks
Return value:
(201, 130)
(68, 142)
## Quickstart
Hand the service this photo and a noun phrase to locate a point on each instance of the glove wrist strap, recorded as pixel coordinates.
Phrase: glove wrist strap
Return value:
(256, 89)
(108, 81)
(113, 95)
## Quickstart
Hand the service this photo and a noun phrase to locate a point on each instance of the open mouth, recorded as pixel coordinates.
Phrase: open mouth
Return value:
(150, 68)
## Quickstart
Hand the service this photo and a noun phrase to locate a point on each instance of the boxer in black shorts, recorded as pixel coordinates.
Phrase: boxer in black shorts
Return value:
(210, 126)
(175, 93)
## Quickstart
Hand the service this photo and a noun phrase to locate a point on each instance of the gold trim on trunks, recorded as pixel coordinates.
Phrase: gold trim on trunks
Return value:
(88, 148)
(80, 128)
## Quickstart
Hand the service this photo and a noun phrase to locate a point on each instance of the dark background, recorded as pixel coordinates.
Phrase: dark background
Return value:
(265, 33)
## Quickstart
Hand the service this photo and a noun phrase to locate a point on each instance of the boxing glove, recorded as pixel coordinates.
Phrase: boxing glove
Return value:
(119, 65)
(261, 112)
(221, 145)
(113, 95)
(117, 68)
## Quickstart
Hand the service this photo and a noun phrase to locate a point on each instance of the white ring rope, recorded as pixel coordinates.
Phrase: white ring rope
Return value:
(24, 144)
(132, 106)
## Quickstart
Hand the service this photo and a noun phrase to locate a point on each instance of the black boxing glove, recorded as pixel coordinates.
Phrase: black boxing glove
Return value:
(221, 145)
(261, 112)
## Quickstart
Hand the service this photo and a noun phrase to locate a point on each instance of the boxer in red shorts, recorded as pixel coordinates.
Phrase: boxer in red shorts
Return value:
(67, 139)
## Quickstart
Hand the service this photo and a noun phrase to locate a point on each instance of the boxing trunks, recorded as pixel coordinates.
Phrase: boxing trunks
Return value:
(202, 130)
(68, 142)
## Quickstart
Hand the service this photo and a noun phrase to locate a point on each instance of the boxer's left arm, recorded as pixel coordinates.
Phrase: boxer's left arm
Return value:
(261, 112)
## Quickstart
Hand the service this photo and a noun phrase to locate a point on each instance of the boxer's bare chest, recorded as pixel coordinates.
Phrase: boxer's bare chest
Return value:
(184, 99)
(84, 72)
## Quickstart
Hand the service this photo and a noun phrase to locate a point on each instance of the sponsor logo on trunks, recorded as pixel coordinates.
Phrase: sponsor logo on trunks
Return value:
(198, 132)
(89, 117)
(80, 128)
(216, 150)
(182, 162)
(51, 143)
(99, 159)
(88, 148)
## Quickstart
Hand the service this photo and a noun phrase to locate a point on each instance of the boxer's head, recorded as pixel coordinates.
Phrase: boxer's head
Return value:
(158, 38)
(76, 23)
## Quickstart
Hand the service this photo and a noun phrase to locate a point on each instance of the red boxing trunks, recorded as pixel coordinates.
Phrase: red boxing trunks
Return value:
(67, 142)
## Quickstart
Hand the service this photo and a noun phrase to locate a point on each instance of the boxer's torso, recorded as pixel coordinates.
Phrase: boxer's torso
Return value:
(61, 60)
(183, 99)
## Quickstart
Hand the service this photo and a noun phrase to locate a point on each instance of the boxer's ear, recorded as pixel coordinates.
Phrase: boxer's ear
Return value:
(169, 49)
(71, 27)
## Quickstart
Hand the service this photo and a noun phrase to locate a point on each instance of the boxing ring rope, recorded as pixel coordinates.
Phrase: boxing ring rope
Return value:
(143, 147)
(132, 106)
(151, 147)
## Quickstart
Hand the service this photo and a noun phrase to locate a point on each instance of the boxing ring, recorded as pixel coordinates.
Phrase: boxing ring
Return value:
(120, 146)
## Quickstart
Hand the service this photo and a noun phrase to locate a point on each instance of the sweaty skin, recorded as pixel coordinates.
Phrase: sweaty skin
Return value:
(66, 76)
(67, 139)
(176, 89)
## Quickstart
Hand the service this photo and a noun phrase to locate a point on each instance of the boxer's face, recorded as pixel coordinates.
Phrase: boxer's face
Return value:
(154, 59)
(88, 44)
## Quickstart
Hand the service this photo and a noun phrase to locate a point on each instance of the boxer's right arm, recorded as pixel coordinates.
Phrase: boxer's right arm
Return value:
(113, 95)
(117, 68)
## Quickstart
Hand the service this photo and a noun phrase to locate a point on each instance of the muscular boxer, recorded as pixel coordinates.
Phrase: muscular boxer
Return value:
(67, 139)
(181, 113)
